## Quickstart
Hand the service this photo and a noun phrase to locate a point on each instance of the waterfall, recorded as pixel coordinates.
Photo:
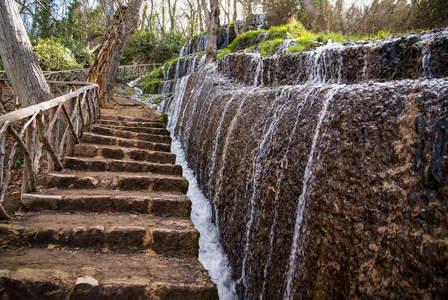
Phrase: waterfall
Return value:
(260, 165)
(304, 100)
(299, 226)
(211, 253)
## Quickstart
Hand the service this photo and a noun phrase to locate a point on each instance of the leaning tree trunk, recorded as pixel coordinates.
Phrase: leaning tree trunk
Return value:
(319, 22)
(212, 21)
(22, 68)
(104, 68)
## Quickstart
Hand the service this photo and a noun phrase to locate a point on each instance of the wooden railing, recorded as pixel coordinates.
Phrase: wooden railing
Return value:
(9, 100)
(53, 126)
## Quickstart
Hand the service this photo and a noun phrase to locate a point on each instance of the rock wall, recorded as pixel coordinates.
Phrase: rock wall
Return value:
(408, 56)
(323, 190)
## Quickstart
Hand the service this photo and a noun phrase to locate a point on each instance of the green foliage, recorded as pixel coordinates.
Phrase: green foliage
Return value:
(140, 47)
(245, 40)
(84, 57)
(152, 87)
(2, 68)
(268, 47)
(53, 56)
(16, 163)
(168, 47)
(288, 31)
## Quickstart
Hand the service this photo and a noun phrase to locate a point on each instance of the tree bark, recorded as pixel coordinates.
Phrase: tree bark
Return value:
(104, 68)
(249, 18)
(21, 64)
(319, 21)
(212, 21)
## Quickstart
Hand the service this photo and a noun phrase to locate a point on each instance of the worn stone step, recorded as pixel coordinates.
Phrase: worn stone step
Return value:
(115, 152)
(116, 181)
(114, 165)
(102, 200)
(122, 142)
(150, 130)
(126, 118)
(64, 273)
(167, 235)
(123, 133)
(132, 123)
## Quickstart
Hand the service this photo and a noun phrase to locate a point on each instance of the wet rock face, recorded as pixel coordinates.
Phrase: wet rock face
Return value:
(408, 57)
(323, 191)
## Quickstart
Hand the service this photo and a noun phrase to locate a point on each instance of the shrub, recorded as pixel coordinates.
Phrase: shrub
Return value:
(53, 56)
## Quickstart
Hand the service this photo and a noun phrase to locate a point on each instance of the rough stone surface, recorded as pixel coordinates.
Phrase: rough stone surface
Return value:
(325, 191)
(114, 224)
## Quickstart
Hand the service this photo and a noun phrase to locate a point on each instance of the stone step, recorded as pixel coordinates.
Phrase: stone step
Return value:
(131, 123)
(125, 118)
(122, 133)
(150, 130)
(116, 181)
(64, 273)
(129, 232)
(122, 142)
(115, 152)
(102, 200)
(113, 165)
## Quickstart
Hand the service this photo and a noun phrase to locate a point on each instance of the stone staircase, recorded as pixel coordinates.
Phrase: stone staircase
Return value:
(114, 224)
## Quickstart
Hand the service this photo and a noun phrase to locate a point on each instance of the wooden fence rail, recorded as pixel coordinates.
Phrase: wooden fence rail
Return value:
(53, 126)
(8, 97)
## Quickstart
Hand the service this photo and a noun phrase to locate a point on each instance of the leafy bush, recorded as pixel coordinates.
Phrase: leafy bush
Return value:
(84, 57)
(53, 56)
(141, 47)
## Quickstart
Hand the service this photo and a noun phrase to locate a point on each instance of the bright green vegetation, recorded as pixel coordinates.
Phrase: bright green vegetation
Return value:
(152, 87)
(170, 63)
(245, 40)
(268, 47)
(147, 46)
(157, 73)
(53, 56)
(269, 40)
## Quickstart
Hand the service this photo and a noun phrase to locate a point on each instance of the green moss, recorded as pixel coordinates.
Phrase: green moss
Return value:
(163, 117)
(157, 73)
(223, 52)
(268, 47)
(128, 91)
(152, 87)
(170, 63)
(249, 37)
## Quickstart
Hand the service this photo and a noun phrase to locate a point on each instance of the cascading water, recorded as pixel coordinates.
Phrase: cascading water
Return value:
(299, 225)
(211, 253)
(324, 190)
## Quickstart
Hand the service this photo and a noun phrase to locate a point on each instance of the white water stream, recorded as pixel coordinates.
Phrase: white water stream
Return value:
(211, 253)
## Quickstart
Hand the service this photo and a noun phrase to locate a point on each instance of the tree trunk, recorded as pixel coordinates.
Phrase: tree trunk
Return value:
(319, 21)
(104, 68)
(18, 57)
(212, 21)
(249, 18)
